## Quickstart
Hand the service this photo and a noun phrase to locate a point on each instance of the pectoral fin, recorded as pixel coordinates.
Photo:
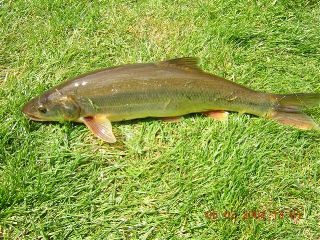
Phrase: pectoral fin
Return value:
(101, 127)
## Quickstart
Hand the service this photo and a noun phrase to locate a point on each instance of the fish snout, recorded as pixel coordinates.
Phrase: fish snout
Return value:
(30, 110)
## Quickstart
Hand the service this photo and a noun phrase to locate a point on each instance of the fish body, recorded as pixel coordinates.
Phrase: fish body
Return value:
(165, 89)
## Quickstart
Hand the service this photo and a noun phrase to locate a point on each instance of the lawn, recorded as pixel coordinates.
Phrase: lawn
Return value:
(246, 178)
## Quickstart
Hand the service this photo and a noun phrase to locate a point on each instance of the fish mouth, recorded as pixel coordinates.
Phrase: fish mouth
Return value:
(33, 117)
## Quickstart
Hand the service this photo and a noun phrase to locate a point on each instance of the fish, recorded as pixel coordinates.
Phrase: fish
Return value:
(166, 90)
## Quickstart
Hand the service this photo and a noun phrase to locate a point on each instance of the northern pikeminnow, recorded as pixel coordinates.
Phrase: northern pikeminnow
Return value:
(166, 89)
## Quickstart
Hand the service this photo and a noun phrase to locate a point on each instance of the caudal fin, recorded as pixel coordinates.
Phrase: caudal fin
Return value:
(288, 109)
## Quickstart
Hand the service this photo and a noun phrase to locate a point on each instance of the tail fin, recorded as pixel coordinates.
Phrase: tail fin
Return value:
(287, 109)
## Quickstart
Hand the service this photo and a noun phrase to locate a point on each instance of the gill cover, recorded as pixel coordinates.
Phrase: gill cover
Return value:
(69, 109)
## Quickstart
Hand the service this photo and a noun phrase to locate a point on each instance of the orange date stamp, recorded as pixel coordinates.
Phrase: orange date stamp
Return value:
(264, 215)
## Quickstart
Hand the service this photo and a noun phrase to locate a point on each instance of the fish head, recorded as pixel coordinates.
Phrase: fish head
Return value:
(52, 107)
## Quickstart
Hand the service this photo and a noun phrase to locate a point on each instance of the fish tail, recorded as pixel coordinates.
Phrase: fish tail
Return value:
(288, 109)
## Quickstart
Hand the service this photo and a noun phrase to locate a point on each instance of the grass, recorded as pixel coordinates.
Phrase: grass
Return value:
(57, 181)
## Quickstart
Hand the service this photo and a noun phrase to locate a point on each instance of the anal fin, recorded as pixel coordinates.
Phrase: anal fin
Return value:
(101, 127)
(219, 115)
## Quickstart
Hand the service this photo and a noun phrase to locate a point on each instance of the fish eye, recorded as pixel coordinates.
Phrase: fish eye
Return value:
(42, 109)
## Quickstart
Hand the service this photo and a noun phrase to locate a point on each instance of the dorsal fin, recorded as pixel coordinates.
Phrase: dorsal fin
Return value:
(189, 63)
